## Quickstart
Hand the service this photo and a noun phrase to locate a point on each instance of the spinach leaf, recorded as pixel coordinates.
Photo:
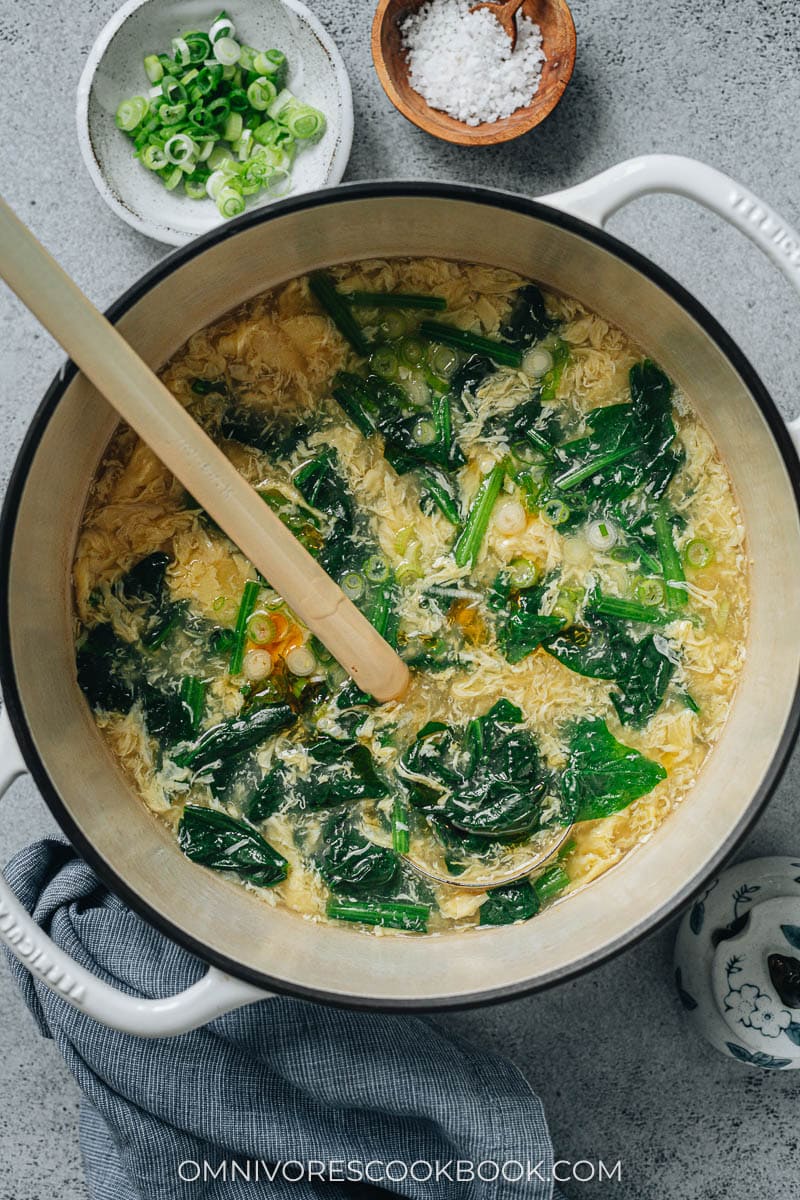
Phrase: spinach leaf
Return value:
(377, 403)
(603, 776)
(352, 394)
(235, 736)
(208, 387)
(270, 434)
(374, 403)
(341, 770)
(216, 840)
(460, 849)
(403, 448)
(598, 648)
(301, 521)
(145, 586)
(522, 626)
(437, 491)
(528, 321)
(145, 580)
(165, 714)
(483, 780)
(111, 674)
(350, 863)
(467, 378)
(106, 670)
(529, 422)
(506, 905)
(429, 652)
(221, 641)
(267, 797)
(430, 766)
(642, 684)
(321, 484)
(523, 900)
(629, 446)
(496, 808)
(233, 779)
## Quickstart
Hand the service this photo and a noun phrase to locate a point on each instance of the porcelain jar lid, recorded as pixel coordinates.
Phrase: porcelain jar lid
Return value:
(737, 963)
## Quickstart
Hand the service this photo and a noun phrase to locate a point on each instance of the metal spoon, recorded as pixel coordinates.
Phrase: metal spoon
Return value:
(518, 863)
(546, 847)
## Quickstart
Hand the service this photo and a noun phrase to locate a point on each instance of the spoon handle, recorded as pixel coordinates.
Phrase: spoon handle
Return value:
(186, 450)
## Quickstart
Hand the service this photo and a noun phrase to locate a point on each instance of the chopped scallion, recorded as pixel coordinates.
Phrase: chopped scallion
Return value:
(153, 68)
(698, 554)
(671, 565)
(396, 300)
(400, 830)
(392, 914)
(472, 343)
(470, 540)
(246, 606)
(213, 94)
(323, 289)
(131, 113)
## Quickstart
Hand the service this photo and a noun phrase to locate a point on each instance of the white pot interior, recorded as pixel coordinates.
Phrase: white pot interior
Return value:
(277, 945)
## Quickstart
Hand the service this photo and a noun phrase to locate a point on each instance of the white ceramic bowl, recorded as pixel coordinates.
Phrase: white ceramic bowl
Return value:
(114, 71)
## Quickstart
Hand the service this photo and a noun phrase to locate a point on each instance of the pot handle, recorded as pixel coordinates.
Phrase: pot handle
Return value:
(213, 995)
(599, 198)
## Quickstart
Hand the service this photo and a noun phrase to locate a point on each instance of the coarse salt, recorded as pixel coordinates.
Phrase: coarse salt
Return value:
(462, 62)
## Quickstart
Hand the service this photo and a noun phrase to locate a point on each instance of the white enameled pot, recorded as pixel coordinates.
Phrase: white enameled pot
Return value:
(251, 947)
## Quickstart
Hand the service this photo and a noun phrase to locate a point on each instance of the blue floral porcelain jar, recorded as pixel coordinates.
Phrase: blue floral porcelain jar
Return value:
(737, 963)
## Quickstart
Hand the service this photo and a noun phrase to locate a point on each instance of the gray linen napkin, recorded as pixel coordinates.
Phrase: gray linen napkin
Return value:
(255, 1102)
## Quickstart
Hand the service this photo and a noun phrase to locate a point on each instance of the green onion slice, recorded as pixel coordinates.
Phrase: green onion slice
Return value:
(353, 585)
(195, 188)
(376, 569)
(304, 122)
(223, 26)
(153, 68)
(698, 553)
(233, 127)
(556, 512)
(261, 93)
(131, 113)
(650, 592)
(172, 176)
(179, 148)
(227, 51)
(412, 351)
(172, 114)
(154, 158)
(181, 52)
(385, 362)
(230, 202)
(173, 91)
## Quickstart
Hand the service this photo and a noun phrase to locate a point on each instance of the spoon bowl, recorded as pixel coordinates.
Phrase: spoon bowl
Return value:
(558, 43)
(518, 863)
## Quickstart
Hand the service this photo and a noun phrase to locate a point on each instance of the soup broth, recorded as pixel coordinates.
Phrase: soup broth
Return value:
(525, 507)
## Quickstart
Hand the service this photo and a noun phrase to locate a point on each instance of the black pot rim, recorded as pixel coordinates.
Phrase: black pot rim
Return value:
(359, 191)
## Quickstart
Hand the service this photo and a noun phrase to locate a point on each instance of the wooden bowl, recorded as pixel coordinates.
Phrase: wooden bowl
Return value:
(558, 43)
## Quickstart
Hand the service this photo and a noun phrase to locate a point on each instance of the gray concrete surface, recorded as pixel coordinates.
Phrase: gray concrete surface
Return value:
(619, 1075)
